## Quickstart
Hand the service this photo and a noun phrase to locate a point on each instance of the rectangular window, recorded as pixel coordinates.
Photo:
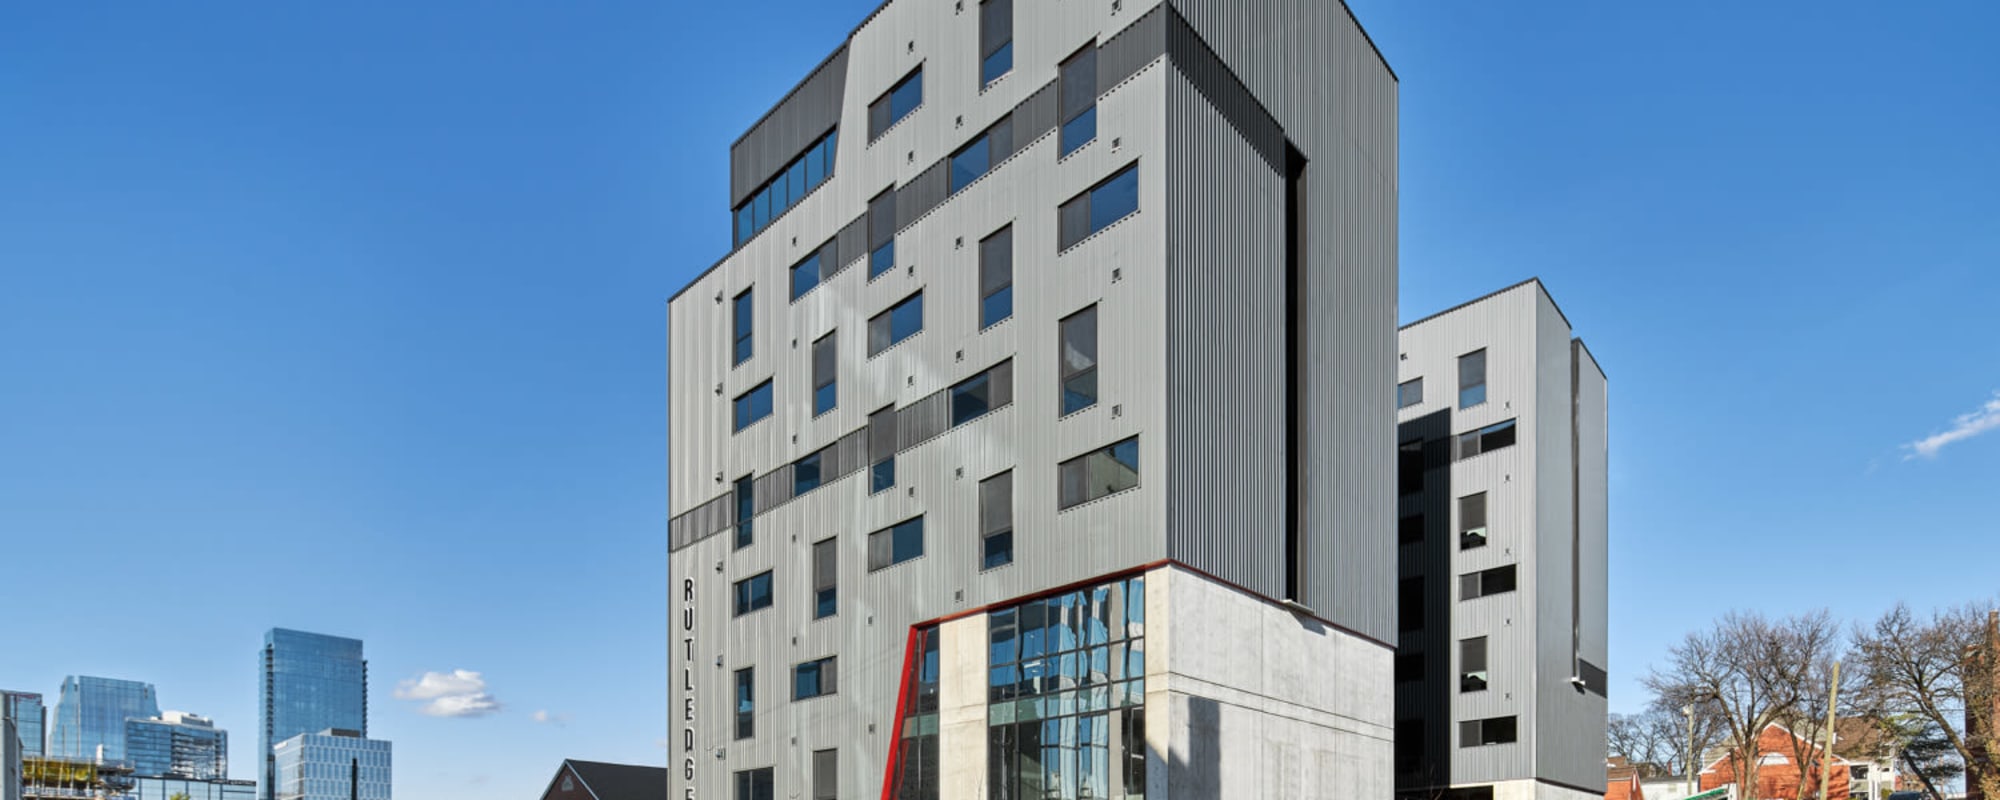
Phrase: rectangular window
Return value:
(753, 405)
(896, 544)
(1472, 665)
(1497, 580)
(746, 703)
(1078, 90)
(996, 521)
(753, 593)
(882, 233)
(746, 510)
(1098, 473)
(996, 40)
(1066, 695)
(996, 276)
(826, 775)
(895, 104)
(1077, 357)
(978, 156)
(755, 784)
(882, 449)
(1409, 393)
(744, 327)
(974, 397)
(806, 473)
(815, 679)
(1472, 521)
(1410, 467)
(1410, 605)
(1486, 440)
(1472, 379)
(826, 392)
(900, 322)
(1482, 732)
(826, 574)
(805, 275)
(1410, 530)
(791, 184)
(1094, 210)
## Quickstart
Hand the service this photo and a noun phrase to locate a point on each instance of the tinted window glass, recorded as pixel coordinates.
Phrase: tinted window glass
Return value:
(970, 399)
(1114, 199)
(1472, 379)
(896, 544)
(1078, 359)
(814, 679)
(996, 39)
(1078, 87)
(745, 511)
(806, 474)
(746, 703)
(996, 277)
(753, 593)
(970, 162)
(753, 405)
(826, 390)
(791, 184)
(1410, 393)
(1098, 473)
(742, 312)
(805, 276)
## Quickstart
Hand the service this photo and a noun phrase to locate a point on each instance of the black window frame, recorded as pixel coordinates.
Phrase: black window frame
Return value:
(755, 784)
(882, 114)
(826, 678)
(743, 324)
(882, 327)
(1473, 659)
(809, 472)
(745, 492)
(826, 577)
(1497, 436)
(1474, 507)
(1078, 218)
(884, 556)
(746, 400)
(996, 276)
(1488, 732)
(745, 598)
(1077, 380)
(1076, 469)
(996, 521)
(746, 694)
(1489, 582)
(974, 159)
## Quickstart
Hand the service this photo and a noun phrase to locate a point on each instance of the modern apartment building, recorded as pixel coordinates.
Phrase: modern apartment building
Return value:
(1035, 438)
(1502, 538)
(311, 683)
(30, 720)
(177, 744)
(91, 714)
(10, 755)
(332, 764)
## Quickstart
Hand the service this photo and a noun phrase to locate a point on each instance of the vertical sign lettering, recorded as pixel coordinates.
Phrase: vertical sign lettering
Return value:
(687, 687)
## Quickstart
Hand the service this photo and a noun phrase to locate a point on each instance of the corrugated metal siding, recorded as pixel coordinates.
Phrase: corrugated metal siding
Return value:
(1314, 70)
(1226, 410)
(918, 197)
(812, 109)
(1139, 44)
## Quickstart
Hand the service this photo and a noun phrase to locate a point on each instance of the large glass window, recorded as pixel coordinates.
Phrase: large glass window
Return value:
(882, 233)
(896, 544)
(996, 40)
(746, 702)
(755, 784)
(753, 405)
(1098, 473)
(896, 104)
(1409, 393)
(1493, 581)
(742, 311)
(1472, 379)
(746, 510)
(976, 157)
(1078, 87)
(900, 322)
(1487, 439)
(826, 576)
(1078, 360)
(996, 277)
(1472, 664)
(815, 679)
(916, 772)
(785, 189)
(1472, 521)
(753, 593)
(1094, 210)
(1066, 695)
(996, 521)
(826, 390)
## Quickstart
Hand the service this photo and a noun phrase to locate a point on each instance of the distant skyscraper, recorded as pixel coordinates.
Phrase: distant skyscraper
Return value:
(311, 683)
(178, 744)
(92, 713)
(30, 719)
(331, 765)
(10, 754)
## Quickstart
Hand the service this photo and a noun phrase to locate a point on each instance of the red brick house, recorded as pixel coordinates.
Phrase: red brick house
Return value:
(1779, 775)
(1621, 781)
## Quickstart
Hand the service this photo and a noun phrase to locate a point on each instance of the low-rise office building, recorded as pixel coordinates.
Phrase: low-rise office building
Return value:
(333, 764)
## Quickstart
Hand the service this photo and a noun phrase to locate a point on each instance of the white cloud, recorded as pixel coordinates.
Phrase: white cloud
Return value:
(1966, 426)
(546, 717)
(458, 693)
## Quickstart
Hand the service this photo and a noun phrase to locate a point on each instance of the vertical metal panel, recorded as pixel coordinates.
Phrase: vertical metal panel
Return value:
(1036, 115)
(918, 197)
(1136, 46)
(853, 241)
(806, 114)
(1227, 471)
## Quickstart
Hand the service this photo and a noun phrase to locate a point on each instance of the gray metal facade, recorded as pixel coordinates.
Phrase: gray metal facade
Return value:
(1199, 356)
(1545, 509)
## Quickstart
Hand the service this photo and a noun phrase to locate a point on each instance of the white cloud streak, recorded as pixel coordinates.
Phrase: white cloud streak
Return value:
(547, 717)
(1964, 427)
(458, 693)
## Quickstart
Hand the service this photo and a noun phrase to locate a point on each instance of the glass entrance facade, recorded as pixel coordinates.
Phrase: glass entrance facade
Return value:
(1065, 713)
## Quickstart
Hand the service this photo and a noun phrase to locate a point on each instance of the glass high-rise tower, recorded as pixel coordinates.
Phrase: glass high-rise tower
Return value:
(29, 719)
(92, 714)
(178, 744)
(312, 682)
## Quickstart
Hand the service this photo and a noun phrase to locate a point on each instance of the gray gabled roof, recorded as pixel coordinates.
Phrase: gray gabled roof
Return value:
(616, 781)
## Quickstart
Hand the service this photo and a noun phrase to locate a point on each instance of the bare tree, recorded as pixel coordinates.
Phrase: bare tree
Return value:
(1656, 740)
(1748, 672)
(1815, 644)
(1936, 670)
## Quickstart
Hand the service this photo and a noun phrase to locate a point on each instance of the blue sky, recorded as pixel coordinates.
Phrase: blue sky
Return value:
(351, 318)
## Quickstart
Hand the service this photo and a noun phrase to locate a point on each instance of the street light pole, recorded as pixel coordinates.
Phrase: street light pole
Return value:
(1689, 711)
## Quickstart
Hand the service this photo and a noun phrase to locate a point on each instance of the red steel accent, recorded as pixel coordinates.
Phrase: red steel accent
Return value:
(896, 729)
